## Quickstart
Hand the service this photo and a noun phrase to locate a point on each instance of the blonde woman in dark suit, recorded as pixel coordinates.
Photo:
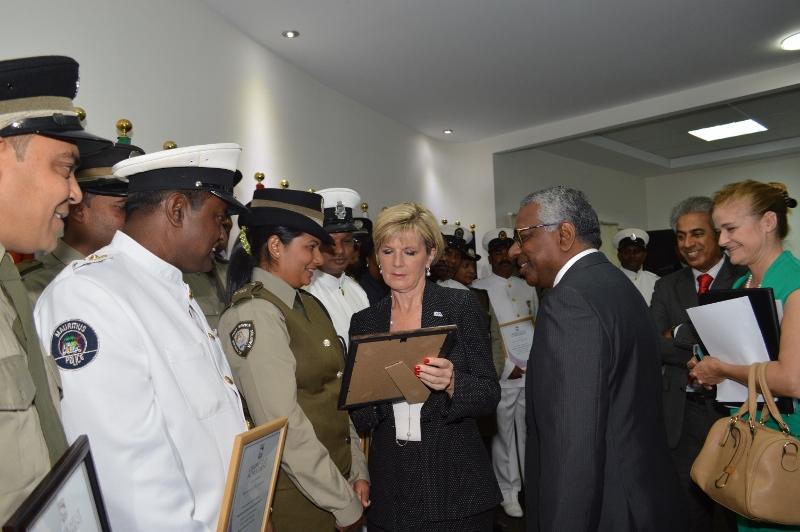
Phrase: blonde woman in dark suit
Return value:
(428, 466)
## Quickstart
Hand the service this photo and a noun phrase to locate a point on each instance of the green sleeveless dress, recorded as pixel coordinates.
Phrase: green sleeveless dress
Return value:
(783, 276)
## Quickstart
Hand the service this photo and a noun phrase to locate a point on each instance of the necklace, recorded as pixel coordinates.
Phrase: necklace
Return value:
(749, 281)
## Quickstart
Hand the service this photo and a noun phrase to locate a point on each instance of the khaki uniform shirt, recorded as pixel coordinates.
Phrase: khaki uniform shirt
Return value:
(24, 457)
(37, 277)
(266, 376)
(208, 289)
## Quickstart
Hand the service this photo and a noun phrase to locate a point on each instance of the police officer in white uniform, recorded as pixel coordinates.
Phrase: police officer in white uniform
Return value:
(511, 299)
(144, 375)
(631, 244)
(341, 295)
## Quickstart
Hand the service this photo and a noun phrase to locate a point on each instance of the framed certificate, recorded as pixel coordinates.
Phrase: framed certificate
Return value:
(517, 340)
(252, 475)
(67, 498)
(379, 366)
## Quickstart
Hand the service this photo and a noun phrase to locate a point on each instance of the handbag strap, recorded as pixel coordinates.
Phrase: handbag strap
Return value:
(769, 401)
(752, 403)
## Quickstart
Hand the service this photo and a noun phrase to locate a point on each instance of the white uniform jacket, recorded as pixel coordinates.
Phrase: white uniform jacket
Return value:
(645, 282)
(511, 300)
(342, 298)
(146, 379)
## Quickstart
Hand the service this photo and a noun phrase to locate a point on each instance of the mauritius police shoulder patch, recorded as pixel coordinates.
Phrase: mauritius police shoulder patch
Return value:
(74, 344)
(243, 336)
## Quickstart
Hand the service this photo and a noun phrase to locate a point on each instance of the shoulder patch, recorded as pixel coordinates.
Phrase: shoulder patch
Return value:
(243, 336)
(74, 344)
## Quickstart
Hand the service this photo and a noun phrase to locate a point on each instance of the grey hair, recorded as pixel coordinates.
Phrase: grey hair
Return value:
(688, 206)
(563, 204)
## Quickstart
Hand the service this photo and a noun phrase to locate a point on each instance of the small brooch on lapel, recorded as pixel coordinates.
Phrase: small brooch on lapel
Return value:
(437, 314)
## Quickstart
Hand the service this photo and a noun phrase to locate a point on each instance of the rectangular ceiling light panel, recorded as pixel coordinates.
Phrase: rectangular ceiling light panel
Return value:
(724, 131)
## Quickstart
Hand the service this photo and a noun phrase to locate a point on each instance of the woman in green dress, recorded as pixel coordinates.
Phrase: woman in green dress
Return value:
(751, 218)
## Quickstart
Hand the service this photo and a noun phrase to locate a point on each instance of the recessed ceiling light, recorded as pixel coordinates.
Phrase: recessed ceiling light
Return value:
(792, 42)
(447, 131)
(290, 34)
(724, 131)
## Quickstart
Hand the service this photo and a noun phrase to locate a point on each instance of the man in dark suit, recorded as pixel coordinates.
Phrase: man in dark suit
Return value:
(689, 411)
(596, 450)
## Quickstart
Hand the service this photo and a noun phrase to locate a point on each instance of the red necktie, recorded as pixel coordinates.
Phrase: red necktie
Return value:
(704, 283)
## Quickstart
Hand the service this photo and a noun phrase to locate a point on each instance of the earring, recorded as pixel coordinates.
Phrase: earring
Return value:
(427, 271)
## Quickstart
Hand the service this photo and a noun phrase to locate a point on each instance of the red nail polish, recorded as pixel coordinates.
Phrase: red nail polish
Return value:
(427, 360)
(416, 370)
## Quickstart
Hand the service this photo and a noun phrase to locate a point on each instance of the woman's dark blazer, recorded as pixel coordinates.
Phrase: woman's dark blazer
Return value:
(447, 475)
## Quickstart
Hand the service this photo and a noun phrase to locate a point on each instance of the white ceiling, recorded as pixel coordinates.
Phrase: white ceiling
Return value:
(487, 67)
(664, 145)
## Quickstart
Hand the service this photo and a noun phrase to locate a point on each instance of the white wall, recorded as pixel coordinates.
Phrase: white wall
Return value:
(616, 196)
(663, 192)
(179, 71)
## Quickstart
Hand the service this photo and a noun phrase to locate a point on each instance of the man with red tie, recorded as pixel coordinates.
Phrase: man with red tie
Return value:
(689, 411)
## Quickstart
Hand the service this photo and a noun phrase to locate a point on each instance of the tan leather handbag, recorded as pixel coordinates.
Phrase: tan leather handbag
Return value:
(748, 467)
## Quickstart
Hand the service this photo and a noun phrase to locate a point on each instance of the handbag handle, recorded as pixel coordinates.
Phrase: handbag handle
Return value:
(749, 405)
(769, 401)
(752, 403)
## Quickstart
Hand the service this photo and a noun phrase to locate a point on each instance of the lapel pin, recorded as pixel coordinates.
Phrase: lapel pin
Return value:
(437, 314)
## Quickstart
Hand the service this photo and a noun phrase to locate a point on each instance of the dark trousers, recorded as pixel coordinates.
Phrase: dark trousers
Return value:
(697, 420)
(483, 522)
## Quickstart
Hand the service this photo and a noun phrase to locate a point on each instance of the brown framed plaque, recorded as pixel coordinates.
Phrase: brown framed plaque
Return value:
(67, 498)
(380, 365)
(252, 475)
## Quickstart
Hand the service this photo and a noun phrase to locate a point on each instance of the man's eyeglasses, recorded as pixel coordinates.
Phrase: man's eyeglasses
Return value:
(518, 232)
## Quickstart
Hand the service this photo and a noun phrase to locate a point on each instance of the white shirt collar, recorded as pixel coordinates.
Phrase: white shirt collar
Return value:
(327, 280)
(570, 262)
(146, 259)
(713, 271)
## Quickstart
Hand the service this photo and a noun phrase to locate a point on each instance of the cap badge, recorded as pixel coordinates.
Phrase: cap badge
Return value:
(358, 224)
(459, 233)
(340, 211)
(243, 336)
(74, 344)
(471, 253)
(502, 235)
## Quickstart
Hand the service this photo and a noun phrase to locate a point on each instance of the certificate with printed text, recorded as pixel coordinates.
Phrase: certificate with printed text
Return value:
(518, 339)
(253, 473)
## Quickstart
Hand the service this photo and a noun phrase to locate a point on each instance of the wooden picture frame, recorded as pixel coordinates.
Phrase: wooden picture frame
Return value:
(252, 476)
(68, 496)
(367, 379)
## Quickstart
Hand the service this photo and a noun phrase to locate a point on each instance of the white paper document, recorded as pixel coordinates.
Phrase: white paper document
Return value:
(730, 332)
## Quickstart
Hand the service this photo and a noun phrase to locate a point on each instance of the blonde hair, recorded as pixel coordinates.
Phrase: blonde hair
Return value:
(763, 197)
(405, 217)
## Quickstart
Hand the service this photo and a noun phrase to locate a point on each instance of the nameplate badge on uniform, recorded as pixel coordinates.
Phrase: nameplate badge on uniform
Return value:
(74, 344)
(243, 336)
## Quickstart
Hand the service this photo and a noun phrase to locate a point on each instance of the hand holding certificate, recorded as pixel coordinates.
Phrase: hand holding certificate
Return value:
(379, 366)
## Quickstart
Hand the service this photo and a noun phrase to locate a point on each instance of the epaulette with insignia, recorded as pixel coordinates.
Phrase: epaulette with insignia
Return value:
(29, 266)
(91, 259)
(247, 291)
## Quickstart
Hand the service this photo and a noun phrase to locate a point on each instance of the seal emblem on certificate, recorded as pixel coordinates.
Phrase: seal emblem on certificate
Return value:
(517, 339)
